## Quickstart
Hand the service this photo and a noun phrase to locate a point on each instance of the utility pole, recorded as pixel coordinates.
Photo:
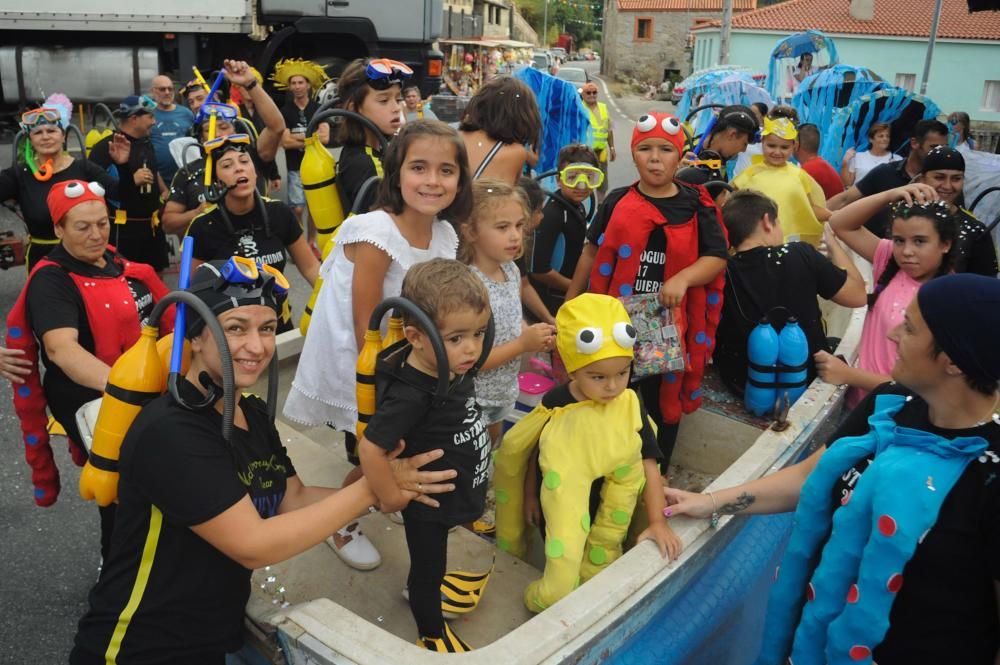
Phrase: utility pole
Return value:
(930, 47)
(727, 26)
(545, 26)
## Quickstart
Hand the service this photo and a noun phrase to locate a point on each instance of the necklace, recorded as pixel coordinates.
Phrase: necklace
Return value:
(991, 414)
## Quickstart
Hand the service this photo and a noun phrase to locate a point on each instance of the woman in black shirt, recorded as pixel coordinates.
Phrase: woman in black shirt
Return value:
(245, 224)
(199, 513)
(29, 187)
(948, 368)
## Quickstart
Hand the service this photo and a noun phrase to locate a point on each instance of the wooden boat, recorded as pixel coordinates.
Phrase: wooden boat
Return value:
(707, 607)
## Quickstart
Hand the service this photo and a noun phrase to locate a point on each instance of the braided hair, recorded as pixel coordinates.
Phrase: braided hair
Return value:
(946, 225)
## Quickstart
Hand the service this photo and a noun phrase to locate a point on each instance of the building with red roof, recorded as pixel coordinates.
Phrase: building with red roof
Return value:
(888, 36)
(650, 40)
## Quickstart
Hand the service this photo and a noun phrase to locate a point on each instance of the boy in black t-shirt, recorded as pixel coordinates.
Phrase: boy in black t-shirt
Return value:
(407, 408)
(559, 238)
(767, 278)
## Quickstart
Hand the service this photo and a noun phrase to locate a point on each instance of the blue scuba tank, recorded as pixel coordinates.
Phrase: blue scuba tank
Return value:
(762, 356)
(793, 356)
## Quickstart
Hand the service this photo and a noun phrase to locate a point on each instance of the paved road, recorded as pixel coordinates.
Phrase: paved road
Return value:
(49, 556)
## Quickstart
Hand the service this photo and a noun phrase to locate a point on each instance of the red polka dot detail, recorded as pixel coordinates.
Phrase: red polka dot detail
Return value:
(895, 583)
(853, 594)
(810, 592)
(887, 526)
(859, 652)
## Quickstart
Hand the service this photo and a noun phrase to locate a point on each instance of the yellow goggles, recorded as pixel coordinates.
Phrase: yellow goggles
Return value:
(241, 270)
(714, 164)
(574, 175)
(242, 141)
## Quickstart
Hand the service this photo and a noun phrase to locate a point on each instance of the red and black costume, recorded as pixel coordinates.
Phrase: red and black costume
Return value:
(616, 268)
(114, 324)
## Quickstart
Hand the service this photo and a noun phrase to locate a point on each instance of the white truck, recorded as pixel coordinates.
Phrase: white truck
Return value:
(99, 51)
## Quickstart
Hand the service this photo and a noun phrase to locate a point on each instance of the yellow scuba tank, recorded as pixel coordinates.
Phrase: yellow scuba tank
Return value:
(136, 378)
(365, 390)
(319, 170)
(94, 136)
(394, 333)
(164, 347)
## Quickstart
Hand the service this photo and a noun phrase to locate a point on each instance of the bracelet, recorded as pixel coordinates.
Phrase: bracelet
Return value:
(714, 520)
(251, 85)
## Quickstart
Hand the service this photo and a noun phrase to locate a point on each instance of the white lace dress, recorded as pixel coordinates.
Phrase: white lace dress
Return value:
(324, 384)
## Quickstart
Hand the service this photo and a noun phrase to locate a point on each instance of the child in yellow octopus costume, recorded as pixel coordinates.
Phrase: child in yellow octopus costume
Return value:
(594, 427)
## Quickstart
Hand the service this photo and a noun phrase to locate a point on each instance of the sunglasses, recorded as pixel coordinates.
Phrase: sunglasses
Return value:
(240, 141)
(385, 73)
(42, 116)
(573, 175)
(218, 109)
(247, 272)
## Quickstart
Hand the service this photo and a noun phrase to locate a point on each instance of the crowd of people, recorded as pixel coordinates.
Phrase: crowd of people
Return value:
(494, 269)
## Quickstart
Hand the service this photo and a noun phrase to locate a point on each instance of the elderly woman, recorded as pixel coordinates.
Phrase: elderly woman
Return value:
(82, 307)
(213, 510)
(46, 164)
(911, 570)
(856, 165)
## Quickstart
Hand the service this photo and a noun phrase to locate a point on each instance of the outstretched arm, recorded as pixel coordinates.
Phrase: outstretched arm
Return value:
(239, 72)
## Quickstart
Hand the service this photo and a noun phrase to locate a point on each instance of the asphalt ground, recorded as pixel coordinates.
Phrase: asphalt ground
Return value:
(49, 557)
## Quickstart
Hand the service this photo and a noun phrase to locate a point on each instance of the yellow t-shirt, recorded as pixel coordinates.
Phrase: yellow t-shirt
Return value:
(795, 192)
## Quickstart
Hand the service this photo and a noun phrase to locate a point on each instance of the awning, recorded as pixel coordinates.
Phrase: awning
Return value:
(470, 42)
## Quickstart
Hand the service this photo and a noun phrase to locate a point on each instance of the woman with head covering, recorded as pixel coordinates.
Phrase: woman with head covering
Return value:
(42, 161)
(198, 513)
(911, 570)
(82, 307)
(944, 170)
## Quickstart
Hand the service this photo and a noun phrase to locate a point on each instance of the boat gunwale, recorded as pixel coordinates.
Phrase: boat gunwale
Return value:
(567, 631)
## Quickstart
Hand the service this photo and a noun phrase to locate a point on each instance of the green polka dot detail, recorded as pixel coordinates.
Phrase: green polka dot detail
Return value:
(503, 545)
(554, 548)
(502, 496)
(598, 555)
(619, 517)
(622, 471)
(552, 479)
(585, 522)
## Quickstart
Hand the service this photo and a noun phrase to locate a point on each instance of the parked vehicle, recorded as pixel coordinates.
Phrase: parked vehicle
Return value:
(93, 55)
(575, 75)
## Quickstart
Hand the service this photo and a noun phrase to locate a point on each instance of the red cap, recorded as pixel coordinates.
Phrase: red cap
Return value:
(660, 126)
(69, 194)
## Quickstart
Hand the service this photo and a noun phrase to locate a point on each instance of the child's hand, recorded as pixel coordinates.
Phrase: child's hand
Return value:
(664, 537)
(532, 509)
(538, 337)
(673, 291)
(13, 366)
(915, 193)
(831, 369)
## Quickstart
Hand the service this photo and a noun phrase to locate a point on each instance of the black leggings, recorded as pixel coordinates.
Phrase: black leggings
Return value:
(666, 435)
(428, 546)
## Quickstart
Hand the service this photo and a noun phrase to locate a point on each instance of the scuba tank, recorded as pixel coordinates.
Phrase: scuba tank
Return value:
(95, 135)
(394, 333)
(793, 358)
(136, 378)
(760, 393)
(319, 181)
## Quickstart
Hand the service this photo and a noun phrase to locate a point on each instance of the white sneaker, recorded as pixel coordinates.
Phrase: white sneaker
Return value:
(358, 552)
(396, 517)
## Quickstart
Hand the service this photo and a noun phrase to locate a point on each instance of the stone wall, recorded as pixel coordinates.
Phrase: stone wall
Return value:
(625, 57)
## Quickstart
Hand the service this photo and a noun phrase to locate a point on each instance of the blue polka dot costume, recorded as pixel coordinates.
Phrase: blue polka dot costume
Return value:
(837, 612)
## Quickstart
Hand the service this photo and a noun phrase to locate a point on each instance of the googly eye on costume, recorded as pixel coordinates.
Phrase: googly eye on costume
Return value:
(74, 190)
(95, 188)
(671, 125)
(589, 340)
(624, 334)
(645, 123)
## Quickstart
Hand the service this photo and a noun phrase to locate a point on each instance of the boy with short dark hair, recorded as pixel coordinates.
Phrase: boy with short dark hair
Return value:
(810, 161)
(558, 240)
(406, 380)
(766, 277)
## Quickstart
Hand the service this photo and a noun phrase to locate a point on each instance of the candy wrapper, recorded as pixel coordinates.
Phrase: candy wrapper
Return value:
(659, 347)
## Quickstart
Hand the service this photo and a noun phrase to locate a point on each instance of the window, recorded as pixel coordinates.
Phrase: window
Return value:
(643, 29)
(906, 81)
(991, 96)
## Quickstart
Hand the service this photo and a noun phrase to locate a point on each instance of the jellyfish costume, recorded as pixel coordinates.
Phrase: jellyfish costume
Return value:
(564, 118)
(836, 613)
(577, 444)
